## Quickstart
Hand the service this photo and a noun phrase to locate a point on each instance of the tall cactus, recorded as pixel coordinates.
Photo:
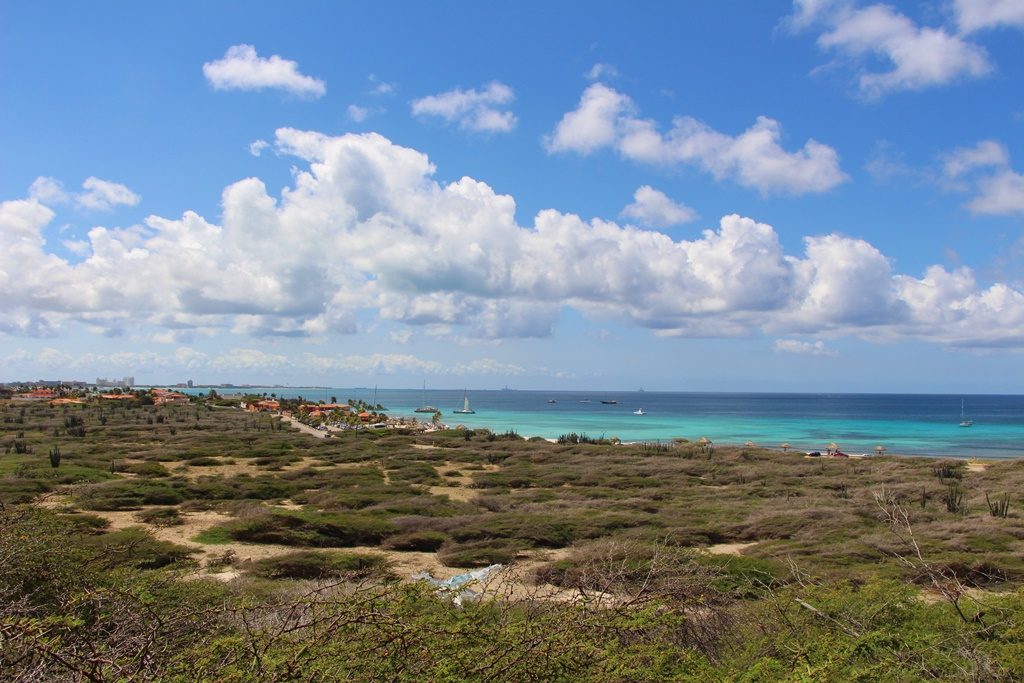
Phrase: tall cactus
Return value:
(55, 457)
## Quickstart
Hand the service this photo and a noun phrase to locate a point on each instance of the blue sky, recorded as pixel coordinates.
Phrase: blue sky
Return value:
(821, 195)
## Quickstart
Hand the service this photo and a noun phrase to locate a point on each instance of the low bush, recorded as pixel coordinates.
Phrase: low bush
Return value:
(127, 495)
(159, 517)
(136, 547)
(422, 541)
(318, 565)
(312, 529)
(478, 553)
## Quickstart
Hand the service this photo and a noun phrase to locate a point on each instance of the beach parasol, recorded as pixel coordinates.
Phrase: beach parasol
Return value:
(879, 450)
(785, 447)
(833, 448)
(749, 444)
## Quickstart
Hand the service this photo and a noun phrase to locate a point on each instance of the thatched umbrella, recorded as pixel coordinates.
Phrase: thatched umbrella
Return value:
(833, 448)
(785, 447)
(705, 444)
(749, 444)
(879, 450)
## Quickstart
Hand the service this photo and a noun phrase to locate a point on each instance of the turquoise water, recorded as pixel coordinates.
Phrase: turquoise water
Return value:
(904, 424)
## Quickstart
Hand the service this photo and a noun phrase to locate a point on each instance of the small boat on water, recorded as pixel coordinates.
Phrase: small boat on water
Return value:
(639, 411)
(551, 400)
(466, 410)
(584, 400)
(426, 408)
(609, 402)
(964, 422)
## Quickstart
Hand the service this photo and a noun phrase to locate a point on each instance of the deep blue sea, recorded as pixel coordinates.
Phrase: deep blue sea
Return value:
(905, 424)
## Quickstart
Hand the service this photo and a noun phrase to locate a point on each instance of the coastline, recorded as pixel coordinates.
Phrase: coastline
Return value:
(908, 424)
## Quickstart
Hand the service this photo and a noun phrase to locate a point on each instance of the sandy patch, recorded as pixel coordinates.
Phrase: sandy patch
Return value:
(54, 501)
(242, 466)
(425, 447)
(977, 466)
(729, 548)
(459, 487)
(459, 493)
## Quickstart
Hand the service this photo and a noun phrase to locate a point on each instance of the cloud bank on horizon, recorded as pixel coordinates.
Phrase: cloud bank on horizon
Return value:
(365, 227)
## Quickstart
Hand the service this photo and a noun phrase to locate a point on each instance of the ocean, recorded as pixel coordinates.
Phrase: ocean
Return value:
(905, 424)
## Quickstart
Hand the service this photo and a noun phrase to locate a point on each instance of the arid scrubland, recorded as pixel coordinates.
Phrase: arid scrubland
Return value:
(200, 542)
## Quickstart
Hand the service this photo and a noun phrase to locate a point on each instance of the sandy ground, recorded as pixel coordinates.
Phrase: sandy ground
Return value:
(242, 466)
(458, 487)
(977, 466)
(730, 548)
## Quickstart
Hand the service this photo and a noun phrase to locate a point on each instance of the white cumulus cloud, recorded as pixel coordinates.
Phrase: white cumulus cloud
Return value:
(242, 69)
(816, 348)
(654, 208)
(48, 190)
(366, 233)
(754, 158)
(103, 195)
(974, 15)
(256, 147)
(985, 171)
(476, 110)
(915, 57)
(357, 113)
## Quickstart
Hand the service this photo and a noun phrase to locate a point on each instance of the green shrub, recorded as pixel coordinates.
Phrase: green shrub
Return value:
(148, 469)
(478, 553)
(86, 523)
(312, 529)
(317, 565)
(159, 517)
(423, 541)
(127, 495)
(136, 547)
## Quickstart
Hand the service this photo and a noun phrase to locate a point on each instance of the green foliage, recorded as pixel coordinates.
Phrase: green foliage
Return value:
(479, 553)
(318, 565)
(136, 547)
(127, 495)
(162, 517)
(312, 529)
(421, 541)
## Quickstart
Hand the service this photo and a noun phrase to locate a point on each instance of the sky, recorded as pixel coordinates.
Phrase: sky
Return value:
(715, 195)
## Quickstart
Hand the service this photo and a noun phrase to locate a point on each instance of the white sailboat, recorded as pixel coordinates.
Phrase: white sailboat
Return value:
(964, 422)
(639, 411)
(426, 408)
(466, 410)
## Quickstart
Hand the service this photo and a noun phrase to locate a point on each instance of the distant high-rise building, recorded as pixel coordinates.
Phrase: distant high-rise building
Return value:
(190, 385)
(124, 382)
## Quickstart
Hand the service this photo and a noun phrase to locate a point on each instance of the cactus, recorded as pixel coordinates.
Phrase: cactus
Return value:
(55, 457)
(954, 498)
(1000, 508)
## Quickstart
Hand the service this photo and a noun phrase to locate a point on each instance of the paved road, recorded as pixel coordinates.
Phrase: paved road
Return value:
(305, 428)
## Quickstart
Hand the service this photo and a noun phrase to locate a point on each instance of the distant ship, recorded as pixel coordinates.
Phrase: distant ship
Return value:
(466, 410)
(610, 402)
(426, 408)
(551, 400)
